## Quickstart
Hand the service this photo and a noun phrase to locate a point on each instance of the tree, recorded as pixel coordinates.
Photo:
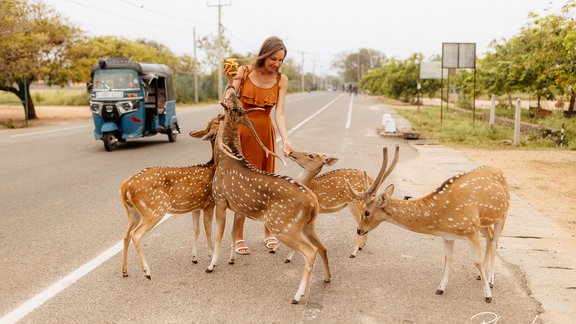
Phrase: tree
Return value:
(86, 53)
(352, 66)
(34, 41)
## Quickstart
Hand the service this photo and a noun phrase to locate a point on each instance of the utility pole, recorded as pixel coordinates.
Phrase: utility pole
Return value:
(313, 73)
(195, 70)
(302, 72)
(219, 45)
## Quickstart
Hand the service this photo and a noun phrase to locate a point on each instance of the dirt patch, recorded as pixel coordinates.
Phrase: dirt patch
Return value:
(14, 116)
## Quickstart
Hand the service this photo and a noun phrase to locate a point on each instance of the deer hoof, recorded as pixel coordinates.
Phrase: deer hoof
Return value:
(209, 270)
(327, 280)
(294, 301)
(148, 277)
(488, 300)
(271, 251)
(231, 262)
(124, 274)
(287, 261)
(195, 261)
(352, 256)
(439, 292)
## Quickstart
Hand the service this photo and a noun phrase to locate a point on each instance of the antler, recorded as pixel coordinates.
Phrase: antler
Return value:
(382, 175)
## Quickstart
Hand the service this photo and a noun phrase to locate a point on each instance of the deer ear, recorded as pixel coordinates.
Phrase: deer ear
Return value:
(382, 200)
(197, 134)
(389, 191)
(330, 160)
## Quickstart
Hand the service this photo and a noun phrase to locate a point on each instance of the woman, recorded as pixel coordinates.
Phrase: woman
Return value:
(261, 85)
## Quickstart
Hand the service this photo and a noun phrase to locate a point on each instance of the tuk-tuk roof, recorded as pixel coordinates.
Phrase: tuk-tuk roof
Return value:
(127, 63)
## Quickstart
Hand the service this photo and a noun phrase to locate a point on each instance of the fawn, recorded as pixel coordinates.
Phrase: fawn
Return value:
(155, 191)
(331, 190)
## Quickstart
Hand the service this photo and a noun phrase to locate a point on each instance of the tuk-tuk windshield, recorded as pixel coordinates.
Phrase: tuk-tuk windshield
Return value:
(115, 79)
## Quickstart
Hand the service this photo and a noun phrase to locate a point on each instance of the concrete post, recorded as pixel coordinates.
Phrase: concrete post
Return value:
(517, 123)
(492, 110)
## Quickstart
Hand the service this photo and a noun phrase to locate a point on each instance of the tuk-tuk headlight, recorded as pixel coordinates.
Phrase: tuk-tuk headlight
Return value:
(124, 107)
(96, 107)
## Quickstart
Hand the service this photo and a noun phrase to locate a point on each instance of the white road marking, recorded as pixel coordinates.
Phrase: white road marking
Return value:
(349, 120)
(49, 131)
(37, 301)
(33, 303)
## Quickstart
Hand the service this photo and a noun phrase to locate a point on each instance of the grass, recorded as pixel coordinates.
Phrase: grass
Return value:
(50, 97)
(459, 129)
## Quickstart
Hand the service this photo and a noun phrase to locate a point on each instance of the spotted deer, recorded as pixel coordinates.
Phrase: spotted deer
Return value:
(331, 189)
(461, 208)
(286, 207)
(156, 191)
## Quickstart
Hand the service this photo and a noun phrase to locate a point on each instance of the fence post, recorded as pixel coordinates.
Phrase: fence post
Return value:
(492, 110)
(517, 123)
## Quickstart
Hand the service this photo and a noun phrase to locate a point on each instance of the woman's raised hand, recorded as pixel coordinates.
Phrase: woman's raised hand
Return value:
(230, 67)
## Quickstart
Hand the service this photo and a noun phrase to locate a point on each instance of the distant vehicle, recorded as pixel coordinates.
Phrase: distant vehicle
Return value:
(131, 100)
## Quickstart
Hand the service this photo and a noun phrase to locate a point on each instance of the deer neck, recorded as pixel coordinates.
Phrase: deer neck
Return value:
(410, 214)
(305, 177)
(228, 132)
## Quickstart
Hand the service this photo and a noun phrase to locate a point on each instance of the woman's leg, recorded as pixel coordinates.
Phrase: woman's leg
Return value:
(240, 245)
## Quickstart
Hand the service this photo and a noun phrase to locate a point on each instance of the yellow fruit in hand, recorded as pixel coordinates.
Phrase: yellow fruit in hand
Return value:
(232, 66)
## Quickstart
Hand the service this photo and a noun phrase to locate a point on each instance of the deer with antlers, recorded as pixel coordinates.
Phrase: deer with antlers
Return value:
(156, 191)
(286, 207)
(331, 190)
(461, 208)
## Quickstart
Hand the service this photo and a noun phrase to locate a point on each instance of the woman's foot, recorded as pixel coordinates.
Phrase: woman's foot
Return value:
(271, 243)
(241, 247)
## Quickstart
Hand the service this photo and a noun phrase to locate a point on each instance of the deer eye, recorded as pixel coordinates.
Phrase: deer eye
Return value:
(366, 213)
(310, 156)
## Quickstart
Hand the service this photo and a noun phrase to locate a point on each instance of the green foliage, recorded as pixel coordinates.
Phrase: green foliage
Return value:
(458, 128)
(398, 79)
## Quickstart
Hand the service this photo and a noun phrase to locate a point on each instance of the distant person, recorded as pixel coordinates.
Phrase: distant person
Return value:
(261, 85)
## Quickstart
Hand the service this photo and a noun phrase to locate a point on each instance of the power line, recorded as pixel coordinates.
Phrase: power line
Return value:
(165, 15)
(148, 23)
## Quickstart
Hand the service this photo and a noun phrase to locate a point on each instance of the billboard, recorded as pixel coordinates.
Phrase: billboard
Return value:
(431, 70)
(459, 55)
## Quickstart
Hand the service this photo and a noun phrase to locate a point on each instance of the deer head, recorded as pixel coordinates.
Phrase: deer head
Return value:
(371, 201)
(234, 114)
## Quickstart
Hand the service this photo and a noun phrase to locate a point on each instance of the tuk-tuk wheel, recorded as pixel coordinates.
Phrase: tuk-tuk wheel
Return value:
(172, 135)
(110, 141)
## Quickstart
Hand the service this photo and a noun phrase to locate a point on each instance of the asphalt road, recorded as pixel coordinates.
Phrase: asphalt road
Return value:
(61, 217)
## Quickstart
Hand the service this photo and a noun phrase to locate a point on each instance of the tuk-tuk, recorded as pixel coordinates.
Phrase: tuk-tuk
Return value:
(131, 100)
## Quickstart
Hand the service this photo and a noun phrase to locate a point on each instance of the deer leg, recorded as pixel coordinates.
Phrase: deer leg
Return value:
(476, 246)
(127, 237)
(360, 239)
(142, 228)
(196, 231)
(297, 241)
(310, 232)
(207, 216)
(289, 256)
(221, 221)
(448, 249)
(498, 227)
(488, 234)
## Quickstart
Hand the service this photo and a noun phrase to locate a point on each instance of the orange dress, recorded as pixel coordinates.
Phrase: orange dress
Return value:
(254, 96)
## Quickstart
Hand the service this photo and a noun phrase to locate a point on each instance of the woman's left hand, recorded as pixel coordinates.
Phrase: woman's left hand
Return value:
(287, 148)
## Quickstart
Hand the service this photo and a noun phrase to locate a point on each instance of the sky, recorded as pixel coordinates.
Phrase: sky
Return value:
(315, 31)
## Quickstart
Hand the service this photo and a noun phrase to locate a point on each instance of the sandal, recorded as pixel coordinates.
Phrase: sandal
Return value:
(242, 250)
(271, 242)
